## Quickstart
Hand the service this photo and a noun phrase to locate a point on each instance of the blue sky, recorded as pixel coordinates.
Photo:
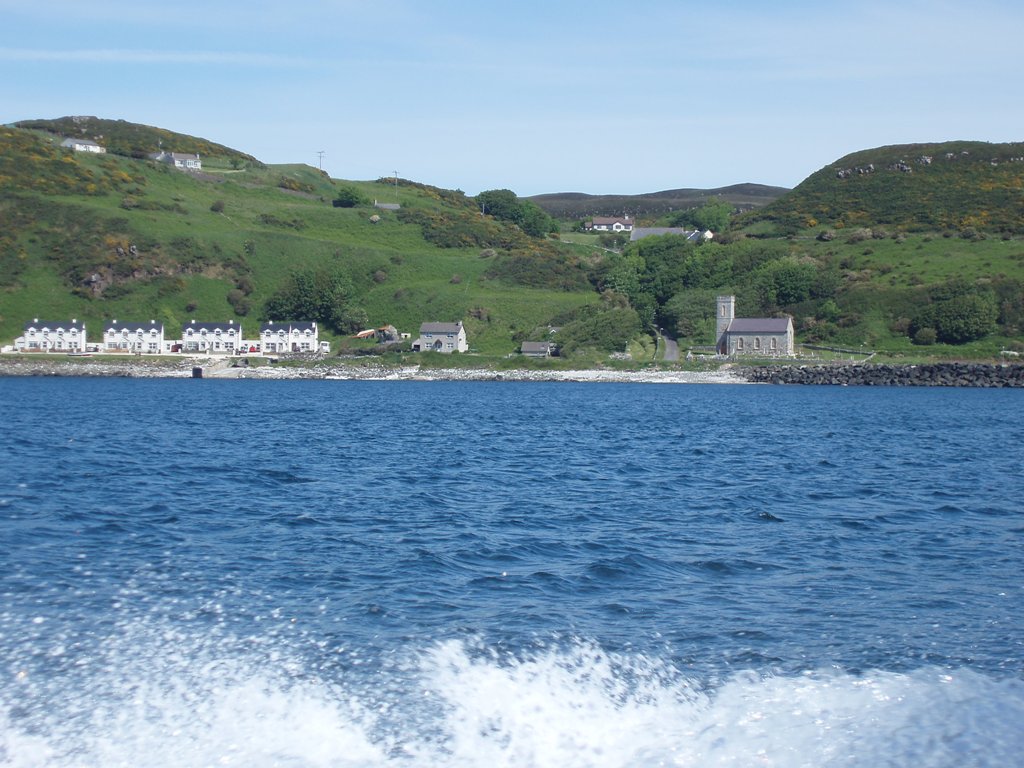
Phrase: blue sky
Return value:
(556, 96)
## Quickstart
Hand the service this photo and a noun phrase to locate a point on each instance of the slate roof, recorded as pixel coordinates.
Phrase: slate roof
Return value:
(758, 325)
(641, 232)
(55, 324)
(199, 327)
(116, 326)
(440, 328)
(289, 325)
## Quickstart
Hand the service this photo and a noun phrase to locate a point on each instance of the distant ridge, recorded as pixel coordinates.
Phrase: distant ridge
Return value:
(578, 205)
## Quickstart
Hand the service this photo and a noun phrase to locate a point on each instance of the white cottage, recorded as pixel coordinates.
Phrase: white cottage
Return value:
(139, 338)
(186, 161)
(211, 338)
(52, 336)
(755, 336)
(289, 336)
(441, 337)
(611, 224)
(83, 145)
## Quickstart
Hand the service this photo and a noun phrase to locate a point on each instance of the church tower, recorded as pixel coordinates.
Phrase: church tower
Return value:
(726, 313)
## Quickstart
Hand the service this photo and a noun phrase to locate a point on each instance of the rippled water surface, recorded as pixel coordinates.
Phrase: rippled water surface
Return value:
(459, 574)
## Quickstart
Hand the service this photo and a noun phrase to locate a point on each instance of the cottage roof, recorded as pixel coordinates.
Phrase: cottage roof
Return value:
(210, 327)
(536, 347)
(114, 325)
(288, 326)
(759, 325)
(54, 324)
(440, 328)
(612, 220)
(641, 232)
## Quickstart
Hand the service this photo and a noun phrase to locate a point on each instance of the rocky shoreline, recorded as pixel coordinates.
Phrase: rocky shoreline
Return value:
(222, 368)
(882, 375)
(879, 375)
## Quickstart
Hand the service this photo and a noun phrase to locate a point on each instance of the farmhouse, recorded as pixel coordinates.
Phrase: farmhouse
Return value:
(216, 338)
(141, 338)
(756, 336)
(184, 161)
(441, 337)
(610, 224)
(83, 145)
(52, 336)
(289, 336)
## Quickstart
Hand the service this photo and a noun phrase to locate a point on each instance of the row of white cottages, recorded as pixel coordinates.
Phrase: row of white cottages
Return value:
(150, 338)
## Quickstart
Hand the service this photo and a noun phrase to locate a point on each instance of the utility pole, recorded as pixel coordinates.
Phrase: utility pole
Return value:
(396, 187)
(321, 154)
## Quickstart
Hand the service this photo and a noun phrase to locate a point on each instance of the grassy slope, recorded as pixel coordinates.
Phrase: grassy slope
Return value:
(303, 230)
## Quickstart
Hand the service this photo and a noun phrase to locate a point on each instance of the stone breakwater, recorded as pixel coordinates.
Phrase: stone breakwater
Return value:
(932, 375)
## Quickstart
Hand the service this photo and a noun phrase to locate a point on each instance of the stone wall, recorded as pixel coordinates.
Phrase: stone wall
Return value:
(933, 375)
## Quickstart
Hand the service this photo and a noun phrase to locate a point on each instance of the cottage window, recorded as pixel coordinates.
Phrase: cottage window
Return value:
(739, 343)
(775, 344)
(757, 342)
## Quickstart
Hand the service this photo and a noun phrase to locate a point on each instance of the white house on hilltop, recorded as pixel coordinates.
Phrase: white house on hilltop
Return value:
(52, 336)
(441, 337)
(141, 338)
(83, 145)
(755, 336)
(184, 161)
(611, 224)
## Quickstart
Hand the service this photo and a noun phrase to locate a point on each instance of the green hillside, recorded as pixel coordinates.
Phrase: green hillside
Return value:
(107, 236)
(913, 187)
(921, 260)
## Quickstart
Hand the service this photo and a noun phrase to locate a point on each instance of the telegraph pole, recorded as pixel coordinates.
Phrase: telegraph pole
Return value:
(321, 154)
(396, 187)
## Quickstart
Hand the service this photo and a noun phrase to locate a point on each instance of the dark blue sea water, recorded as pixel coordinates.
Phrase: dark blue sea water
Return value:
(323, 573)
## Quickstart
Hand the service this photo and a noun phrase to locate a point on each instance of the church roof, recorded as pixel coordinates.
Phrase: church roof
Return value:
(758, 325)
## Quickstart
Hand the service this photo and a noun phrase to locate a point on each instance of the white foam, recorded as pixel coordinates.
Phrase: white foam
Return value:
(464, 705)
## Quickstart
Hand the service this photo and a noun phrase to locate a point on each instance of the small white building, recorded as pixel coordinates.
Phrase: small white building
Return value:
(83, 145)
(754, 336)
(211, 338)
(289, 336)
(441, 337)
(184, 161)
(611, 224)
(137, 338)
(52, 336)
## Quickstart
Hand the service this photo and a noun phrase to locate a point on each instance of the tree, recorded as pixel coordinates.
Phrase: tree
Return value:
(503, 205)
(713, 215)
(325, 296)
(348, 197)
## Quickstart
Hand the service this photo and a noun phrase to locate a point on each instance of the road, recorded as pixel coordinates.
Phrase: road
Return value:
(671, 348)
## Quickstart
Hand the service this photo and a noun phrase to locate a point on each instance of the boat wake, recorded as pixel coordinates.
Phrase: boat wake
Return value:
(165, 699)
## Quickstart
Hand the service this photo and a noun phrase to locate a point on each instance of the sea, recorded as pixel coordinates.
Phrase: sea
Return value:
(401, 573)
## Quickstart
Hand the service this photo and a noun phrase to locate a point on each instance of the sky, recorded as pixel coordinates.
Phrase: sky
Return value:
(557, 96)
